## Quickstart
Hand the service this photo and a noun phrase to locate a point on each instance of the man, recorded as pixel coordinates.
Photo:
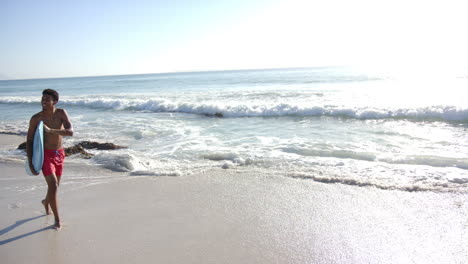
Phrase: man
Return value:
(56, 125)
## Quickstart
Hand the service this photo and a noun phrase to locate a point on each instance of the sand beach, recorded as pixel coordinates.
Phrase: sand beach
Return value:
(213, 132)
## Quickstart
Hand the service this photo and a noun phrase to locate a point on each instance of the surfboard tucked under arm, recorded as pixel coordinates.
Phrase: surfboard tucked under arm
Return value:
(37, 150)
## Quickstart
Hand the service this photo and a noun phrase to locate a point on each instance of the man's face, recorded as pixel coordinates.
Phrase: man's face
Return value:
(47, 102)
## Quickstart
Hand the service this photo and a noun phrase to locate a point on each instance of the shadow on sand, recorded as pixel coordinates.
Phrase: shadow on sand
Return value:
(17, 224)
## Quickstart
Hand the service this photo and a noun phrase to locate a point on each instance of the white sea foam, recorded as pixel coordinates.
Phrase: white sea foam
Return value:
(119, 162)
(155, 173)
(229, 158)
(365, 182)
(13, 131)
(433, 161)
(342, 154)
(385, 176)
(18, 100)
(221, 156)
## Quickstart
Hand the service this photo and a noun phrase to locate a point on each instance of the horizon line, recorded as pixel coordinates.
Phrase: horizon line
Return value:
(174, 72)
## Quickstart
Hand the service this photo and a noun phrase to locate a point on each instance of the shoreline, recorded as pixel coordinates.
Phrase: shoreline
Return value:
(225, 216)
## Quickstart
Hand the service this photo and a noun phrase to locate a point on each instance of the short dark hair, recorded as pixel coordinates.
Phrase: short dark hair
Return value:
(52, 93)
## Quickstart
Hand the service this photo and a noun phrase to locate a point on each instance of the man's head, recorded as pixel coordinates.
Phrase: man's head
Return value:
(52, 93)
(49, 99)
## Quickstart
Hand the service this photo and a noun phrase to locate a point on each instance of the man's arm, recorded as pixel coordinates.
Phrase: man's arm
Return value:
(67, 126)
(29, 142)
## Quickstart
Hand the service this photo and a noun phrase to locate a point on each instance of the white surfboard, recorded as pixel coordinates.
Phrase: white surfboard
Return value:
(37, 150)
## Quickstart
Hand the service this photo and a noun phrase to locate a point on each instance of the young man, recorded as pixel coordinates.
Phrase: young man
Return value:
(56, 125)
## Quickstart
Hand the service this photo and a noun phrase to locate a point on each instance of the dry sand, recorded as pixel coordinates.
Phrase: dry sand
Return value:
(226, 216)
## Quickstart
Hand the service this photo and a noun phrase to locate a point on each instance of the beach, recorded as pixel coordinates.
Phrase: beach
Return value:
(289, 132)
(226, 216)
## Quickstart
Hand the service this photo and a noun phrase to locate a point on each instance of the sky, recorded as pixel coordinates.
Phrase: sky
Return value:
(62, 38)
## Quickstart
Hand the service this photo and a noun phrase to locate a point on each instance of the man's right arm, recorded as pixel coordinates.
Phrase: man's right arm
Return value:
(29, 141)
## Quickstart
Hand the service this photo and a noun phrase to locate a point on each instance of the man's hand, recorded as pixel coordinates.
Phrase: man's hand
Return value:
(62, 132)
(46, 129)
(33, 170)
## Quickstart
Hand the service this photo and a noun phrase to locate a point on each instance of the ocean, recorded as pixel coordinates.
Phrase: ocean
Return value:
(330, 124)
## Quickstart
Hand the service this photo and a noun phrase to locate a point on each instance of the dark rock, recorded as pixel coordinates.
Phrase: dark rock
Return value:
(22, 146)
(77, 150)
(217, 114)
(80, 148)
(99, 146)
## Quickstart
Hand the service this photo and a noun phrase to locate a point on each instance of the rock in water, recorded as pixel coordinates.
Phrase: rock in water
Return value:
(99, 146)
(78, 150)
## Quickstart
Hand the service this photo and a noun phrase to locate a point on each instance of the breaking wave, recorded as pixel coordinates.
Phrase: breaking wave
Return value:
(445, 113)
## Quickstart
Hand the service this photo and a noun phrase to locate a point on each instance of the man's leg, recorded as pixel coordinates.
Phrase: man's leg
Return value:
(46, 201)
(52, 186)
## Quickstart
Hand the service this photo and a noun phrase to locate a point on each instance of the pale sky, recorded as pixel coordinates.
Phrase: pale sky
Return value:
(62, 38)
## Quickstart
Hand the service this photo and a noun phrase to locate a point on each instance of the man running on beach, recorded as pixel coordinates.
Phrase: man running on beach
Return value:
(56, 125)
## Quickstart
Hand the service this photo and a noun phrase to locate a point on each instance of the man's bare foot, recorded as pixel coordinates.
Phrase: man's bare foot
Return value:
(57, 225)
(46, 206)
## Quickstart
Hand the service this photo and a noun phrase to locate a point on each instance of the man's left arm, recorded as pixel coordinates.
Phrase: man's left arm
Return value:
(67, 126)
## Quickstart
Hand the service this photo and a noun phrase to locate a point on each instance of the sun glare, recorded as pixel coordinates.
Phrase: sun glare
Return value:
(404, 39)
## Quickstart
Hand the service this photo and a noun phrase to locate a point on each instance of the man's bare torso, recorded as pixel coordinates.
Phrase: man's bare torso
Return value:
(55, 121)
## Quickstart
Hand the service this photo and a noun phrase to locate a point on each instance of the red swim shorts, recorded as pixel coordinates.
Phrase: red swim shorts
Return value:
(53, 162)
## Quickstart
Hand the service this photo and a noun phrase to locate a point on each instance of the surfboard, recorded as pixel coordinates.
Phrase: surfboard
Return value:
(37, 150)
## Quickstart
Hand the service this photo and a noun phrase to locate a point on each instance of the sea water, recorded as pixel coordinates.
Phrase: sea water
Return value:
(332, 125)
